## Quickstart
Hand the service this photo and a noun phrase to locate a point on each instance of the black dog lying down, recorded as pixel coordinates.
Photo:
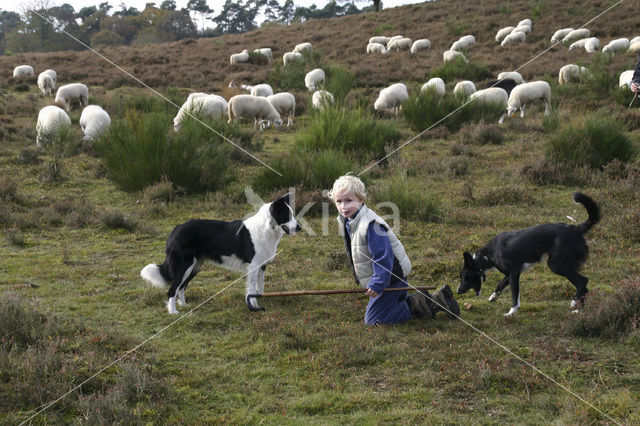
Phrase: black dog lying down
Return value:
(513, 252)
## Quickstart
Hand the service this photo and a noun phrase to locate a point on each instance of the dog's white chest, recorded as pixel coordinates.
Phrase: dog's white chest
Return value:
(232, 262)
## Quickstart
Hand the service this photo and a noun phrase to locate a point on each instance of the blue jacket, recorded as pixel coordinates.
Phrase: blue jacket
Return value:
(636, 73)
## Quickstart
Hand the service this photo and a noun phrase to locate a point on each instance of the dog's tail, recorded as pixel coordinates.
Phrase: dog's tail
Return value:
(156, 275)
(592, 210)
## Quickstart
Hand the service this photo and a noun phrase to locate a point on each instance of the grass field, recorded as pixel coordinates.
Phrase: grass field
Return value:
(74, 243)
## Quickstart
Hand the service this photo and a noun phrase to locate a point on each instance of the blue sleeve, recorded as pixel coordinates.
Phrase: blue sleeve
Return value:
(382, 256)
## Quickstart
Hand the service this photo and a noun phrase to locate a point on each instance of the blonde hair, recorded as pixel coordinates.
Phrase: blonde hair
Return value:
(348, 183)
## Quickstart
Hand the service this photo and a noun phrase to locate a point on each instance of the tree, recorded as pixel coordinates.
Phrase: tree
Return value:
(168, 5)
(236, 17)
(201, 7)
(286, 12)
(176, 25)
(9, 21)
(272, 10)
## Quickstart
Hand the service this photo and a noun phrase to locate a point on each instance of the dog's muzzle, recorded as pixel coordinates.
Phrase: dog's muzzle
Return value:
(291, 231)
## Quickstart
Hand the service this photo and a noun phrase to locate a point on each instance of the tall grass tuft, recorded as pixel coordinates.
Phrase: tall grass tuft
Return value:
(339, 82)
(412, 200)
(461, 70)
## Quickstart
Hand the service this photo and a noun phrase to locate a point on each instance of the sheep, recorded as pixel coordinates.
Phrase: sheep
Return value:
(468, 39)
(526, 22)
(560, 34)
(634, 40)
(23, 71)
(50, 120)
(625, 79)
(263, 90)
(400, 44)
(578, 44)
(210, 106)
(380, 40)
(392, 98)
(234, 85)
(522, 28)
(507, 84)
(239, 58)
(494, 95)
(256, 107)
(634, 47)
(376, 48)
(392, 39)
(68, 93)
(94, 121)
(452, 55)
(513, 75)
(45, 83)
(420, 44)
(53, 75)
(265, 51)
(291, 57)
(526, 93)
(322, 99)
(517, 37)
(314, 79)
(459, 45)
(464, 88)
(578, 34)
(503, 32)
(592, 44)
(572, 72)
(437, 83)
(302, 47)
(617, 45)
(285, 104)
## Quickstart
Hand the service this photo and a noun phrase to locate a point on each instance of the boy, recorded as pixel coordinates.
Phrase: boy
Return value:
(378, 260)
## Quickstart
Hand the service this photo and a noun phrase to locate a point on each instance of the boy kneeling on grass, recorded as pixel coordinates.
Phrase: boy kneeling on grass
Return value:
(378, 261)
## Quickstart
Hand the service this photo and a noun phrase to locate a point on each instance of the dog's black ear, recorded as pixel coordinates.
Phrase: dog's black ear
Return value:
(285, 199)
(468, 259)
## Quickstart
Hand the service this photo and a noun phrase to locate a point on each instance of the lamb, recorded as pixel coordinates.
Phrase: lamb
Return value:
(507, 84)
(634, 47)
(50, 120)
(210, 106)
(265, 51)
(578, 34)
(503, 32)
(302, 47)
(437, 83)
(625, 79)
(617, 45)
(285, 104)
(256, 107)
(45, 83)
(526, 93)
(263, 90)
(290, 57)
(452, 55)
(572, 72)
(420, 44)
(322, 99)
(94, 121)
(380, 40)
(513, 75)
(314, 79)
(464, 88)
(376, 48)
(517, 37)
(392, 98)
(400, 44)
(239, 58)
(68, 93)
(592, 44)
(494, 95)
(23, 71)
(560, 34)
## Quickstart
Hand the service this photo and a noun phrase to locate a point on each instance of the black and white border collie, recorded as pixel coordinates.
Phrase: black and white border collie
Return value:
(515, 251)
(241, 245)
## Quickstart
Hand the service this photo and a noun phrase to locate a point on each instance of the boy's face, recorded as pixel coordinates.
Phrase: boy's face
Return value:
(347, 203)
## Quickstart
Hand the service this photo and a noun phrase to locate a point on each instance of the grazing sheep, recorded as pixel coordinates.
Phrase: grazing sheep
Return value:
(256, 107)
(452, 55)
(560, 34)
(526, 93)
(285, 104)
(50, 119)
(379, 39)
(513, 75)
(463, 43)
(94, 121)
(234, 85)
(392, 39)
(592, 44)
(376, 48)
(503, 32)
(464, 88)
(572, 72)
(302, 47)
(53, 75)
(210, 106)
(507, 84)
(437, 83)
(69, 93)
(314, 79)
(625, 79)
(265, 51)
(420, 44)
(525, 22)
(634, 47)
(494, 95)
(45, 83)
(291, 57)
(617, 45)
(322, 99)
(400, 44)
(263, 90)
(392, 98)
(578, 34)
(239, 58)
(578, 44)
(23, 71)
(634, 40)
(517, 37)
(522, 28)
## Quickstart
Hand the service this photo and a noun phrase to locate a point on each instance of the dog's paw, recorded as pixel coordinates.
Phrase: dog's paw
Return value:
(493, 297)
(575, 311)
(511, 312)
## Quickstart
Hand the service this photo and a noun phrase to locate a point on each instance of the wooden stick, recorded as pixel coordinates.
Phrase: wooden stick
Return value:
(325, 292)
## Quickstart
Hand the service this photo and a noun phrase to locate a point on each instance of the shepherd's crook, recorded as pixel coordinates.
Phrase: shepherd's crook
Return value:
(325, 292)
(634, 98)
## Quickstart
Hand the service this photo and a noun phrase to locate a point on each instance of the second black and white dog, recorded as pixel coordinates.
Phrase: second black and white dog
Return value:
(241, 245)
(513, 252)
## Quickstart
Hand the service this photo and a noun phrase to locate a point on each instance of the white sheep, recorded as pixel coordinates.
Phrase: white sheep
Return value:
(45, 84)
(522, 28)
(617, 45)
(53, 75)
(578, 44)
(463, 43)
(322, 99)
(265, 51)
(379, 39)
(464, 88)
(210, 106)
(234, 85)
(400, 44)
(69, 93)
(493, 95)
(526, 22)
(392, 98)
(560, 34)
(517, 37)
(469, 39)
(302, 47)
(420, 44)
(452, 55)
(578, 34)
(392, 39)
(256, 107)
(437, 83)
(263, 90)
(314, 79)
(634, 40)
(290, 57)
(239, 58)
(23, 71)
(526, 93)
(625, 78)
(377, 48)
(513, 75)
(592, 44)
(503, 32)
(94, 121)
(634, 47)
(285, 104)
(572, 72)
(50, 120)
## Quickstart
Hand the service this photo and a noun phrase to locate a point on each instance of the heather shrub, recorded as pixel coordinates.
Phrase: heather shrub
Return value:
(412, 200)
(461, 70)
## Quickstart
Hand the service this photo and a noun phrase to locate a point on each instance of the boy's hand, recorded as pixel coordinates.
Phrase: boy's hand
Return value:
(371, 293)
(634, 87)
